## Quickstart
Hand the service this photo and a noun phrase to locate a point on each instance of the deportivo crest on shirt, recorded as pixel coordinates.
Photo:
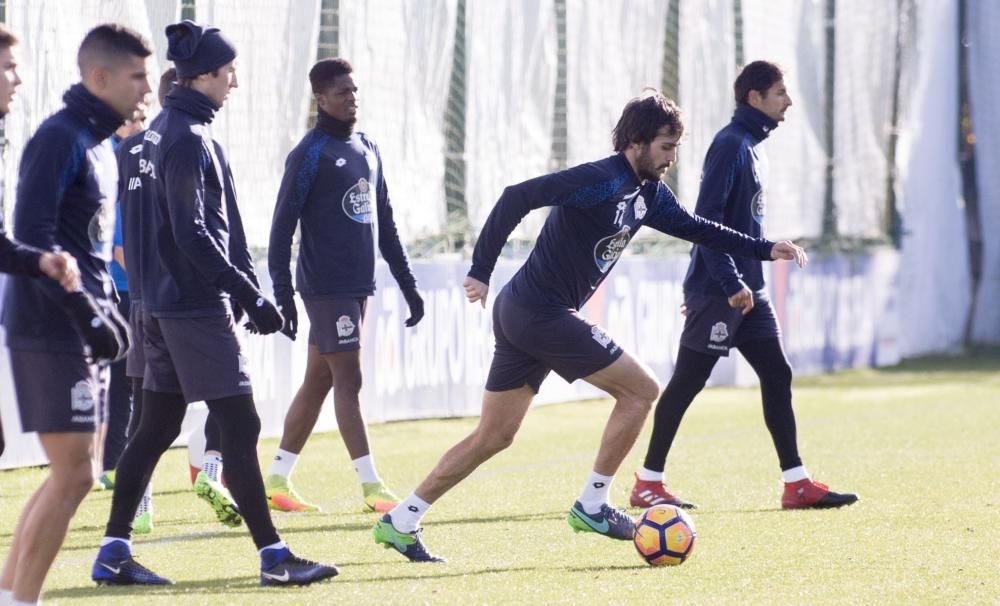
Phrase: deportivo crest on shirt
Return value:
(758, 206)
(639, 208)
(720, 332)
(600, 336)
(101, 229)
(345, 327)
(357, 202)
(607, 250)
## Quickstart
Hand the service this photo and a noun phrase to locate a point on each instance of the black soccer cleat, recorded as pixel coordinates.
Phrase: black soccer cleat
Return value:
(116, 566)
(285, 568)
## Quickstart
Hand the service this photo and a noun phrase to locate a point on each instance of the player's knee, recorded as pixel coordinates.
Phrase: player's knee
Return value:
(493, 442)
(77, 480)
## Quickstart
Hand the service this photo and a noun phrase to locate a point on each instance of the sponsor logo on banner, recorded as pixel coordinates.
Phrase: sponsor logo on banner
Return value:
(345, 327)
(357, 202)
(608, 249)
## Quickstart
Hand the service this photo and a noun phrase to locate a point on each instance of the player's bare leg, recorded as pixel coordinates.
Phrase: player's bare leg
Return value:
(43, 527)
(501, 418)
(634, 389)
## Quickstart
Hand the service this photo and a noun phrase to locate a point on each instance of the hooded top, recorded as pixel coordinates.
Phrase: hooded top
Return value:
(188, 224)
(334, 185)
(67, 184)
(599, 207)
(734, 193)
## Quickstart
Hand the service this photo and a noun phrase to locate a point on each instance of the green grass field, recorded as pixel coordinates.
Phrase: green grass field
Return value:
(920, 443)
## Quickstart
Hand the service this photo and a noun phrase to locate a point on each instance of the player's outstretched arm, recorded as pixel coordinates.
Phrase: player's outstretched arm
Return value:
(789, 251)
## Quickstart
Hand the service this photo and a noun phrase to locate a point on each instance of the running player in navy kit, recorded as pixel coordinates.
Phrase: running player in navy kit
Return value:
(726, 303)
(191, 348)
(335, 187)
(597, 209)
(65, 198)
(17, 258)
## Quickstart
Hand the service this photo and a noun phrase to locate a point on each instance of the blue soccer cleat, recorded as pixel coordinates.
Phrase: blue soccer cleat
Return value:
(116, 566)
(609, 521)
(282, 567)
(406, 543)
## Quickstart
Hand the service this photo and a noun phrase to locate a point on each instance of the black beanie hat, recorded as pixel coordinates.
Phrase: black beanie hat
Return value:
(197, 50)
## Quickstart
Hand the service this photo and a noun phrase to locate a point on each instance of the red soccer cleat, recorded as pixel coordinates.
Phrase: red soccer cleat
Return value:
(646, 494)
(809, 494)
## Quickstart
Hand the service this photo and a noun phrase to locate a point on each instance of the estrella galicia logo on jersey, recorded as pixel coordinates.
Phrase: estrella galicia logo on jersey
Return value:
(608, 249)
(639, 207)
(600, 336)
(720, 332)
(758, 206)
(101, 229)
(357, 202)
(345, 327)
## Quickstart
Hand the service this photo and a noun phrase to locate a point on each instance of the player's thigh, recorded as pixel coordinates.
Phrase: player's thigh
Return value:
(70, 454)
(626, 377)
(207, 357)
(569, 344)
(710, 325)
(59, 391)
(345, 369)
(503, 411)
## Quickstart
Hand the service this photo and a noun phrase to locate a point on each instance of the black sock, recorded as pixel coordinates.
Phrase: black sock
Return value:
(239, 427)
(158, 428)
(768, 360)
(690, 374)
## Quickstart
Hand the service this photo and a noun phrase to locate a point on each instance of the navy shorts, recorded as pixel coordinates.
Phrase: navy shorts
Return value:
(135, 362)
(530, 341)
(200, 358)
(59, 392)
(713, 327)
(335, 323)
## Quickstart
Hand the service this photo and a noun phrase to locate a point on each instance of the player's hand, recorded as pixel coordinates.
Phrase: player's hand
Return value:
(291, 315)
(416, 304)
(684, 310)
(475, 290)
(61, 267)
(789, 251)
(742, 300)
(262, 313)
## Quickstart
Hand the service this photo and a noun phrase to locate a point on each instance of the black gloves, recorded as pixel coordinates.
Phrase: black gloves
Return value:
(262, 313)
(416, 305)
(104, 333)
(291, 315)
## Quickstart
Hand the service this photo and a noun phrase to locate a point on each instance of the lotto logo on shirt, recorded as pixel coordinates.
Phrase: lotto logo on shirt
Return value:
(608, 249)
(357, 202)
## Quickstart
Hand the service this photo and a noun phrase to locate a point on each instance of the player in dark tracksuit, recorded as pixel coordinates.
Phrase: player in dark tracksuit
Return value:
(61, 342)
(188, 282)
(335, 188)
(16, 258)
(598, 209)
(726, 304)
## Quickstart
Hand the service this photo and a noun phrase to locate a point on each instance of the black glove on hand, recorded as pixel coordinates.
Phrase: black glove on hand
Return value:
(97, 331)
(416, 305)
(264, 315)
(291, 315)
(237, 311)
(121, 327)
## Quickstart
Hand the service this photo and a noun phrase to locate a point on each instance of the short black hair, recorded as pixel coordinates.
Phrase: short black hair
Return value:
(111, 41)
(759, 76)
(644, 117)
(325, 71)
(7, 37)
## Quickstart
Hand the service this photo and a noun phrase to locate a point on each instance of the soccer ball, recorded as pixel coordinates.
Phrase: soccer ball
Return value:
(664, 534)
